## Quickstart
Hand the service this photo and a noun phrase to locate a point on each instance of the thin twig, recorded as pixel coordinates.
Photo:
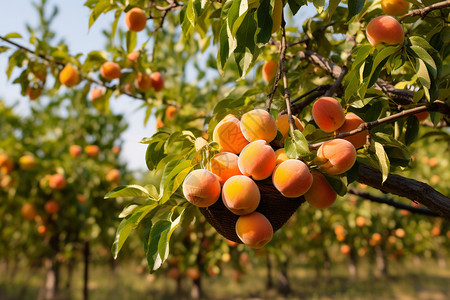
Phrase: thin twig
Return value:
(337, 83)
(423, 12)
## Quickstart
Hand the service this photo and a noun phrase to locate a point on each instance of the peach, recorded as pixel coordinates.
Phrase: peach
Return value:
(395, 7)
(400, 233)
(135, 19)
(193, 273)
(113, 176)
(57, 181)
(81, 198)
(6, 182)
(228, 135)
(292, 178)
(254, 230)
(3, 159)
(133, 56)
(92, 150)
(110, 70)
(34, 92)
(339, 230)
(157, 81)
(240, 195)
(201, 188)
(283, 124)
(257, 160)
(159, 123)
(69, 76)
(276, 15)
(336, 156)
(27, 162)
(360, 221)
(96, 93)
(28, 211)
(422, 116)
(51, 207)
(345, 249)
(321, 194)
(352, 121)
(42, 230)
(224, 165)
(384, 29)
(328, 114)
(143, 82)
(269, 70)
(258, 124)
(7, 166)
(281, 156)
(171, 111)
(75, 150)
(116, 150)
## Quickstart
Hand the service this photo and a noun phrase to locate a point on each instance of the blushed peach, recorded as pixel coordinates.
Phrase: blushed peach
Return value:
(157, 81)
(75, 150)
(254, 230)
(110, 70)
(228, 135)
(336, 156)
(283, 124)
(280, 156)
(292, 178)
(143, 82)
(258, 124)
(28, 211)
(224, 165)
(321, 194)
(92, 150)
(328, 114)
(269, 70)
(201, 188)
(384, 29)
(171, 111)
(113, 176)
(135, 19)
(257, 160)
(133, 56)
(51, 207)
(395, 7)
(27, 162)
(69, 76)
(96, 93)
(241, 195)
(57, 181)
(352, 121)
(422, 116)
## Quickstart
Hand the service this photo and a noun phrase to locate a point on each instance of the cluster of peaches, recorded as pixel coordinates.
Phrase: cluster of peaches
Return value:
(246, 157)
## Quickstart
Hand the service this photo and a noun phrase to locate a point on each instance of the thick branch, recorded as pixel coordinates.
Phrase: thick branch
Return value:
(393, 203)
(408, 188)
(423, 12)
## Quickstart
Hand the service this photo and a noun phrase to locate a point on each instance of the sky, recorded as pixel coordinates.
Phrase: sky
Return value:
(71, 24)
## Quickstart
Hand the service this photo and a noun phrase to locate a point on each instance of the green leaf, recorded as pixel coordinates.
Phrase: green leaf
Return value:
(154, 260)
(383, 160)
(333, 4)
(423, 55)
(131, 40)
(319, 5)
(98, 10)
(298, 146)
(173, 176)
(13, 35)
(422, 73)
(246, 51)
(338, 183)
(236, 15)
(264, 20)
(3, 49)
(295, 5)
(163, 245)
(128, 210)
(134, 190)
(354, 7)
(412, 130)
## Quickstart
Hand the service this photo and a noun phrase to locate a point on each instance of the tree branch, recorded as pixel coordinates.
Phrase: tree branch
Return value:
(408, 188)
(423, 12)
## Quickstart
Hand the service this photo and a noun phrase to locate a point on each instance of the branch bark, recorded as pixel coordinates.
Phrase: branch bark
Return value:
(423, 12)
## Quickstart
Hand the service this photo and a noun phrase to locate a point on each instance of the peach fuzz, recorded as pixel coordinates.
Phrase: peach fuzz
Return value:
(257, 160)
(384, 29)
(281, 156)
(395, 7)
(254, 230)
(283, 124)
(328, 114)
(75, 150)
(143, 82)
(228, 135)
(321, 194)
(157, 81)
(352, 121)
(269, 70)
(201, 188)
(57, 181)
(241, 195)
(292, 178)
(110, 70)
(135, 19)
(69, 76)
(258, 124)
(336, 156)
(224, 165)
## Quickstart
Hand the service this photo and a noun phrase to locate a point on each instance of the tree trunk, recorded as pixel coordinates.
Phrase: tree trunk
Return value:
(86, 254)
(284, 286)
(269, 282)
(381, 261)
(196, 289)
(352, 265)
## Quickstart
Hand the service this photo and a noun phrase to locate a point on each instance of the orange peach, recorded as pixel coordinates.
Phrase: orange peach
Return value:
(171, 111)
(7, 166)
(292, 178)
(92, 150)
(135, 19)
(360, 221)
(422, 116)
(133, 56)
(28, 211)
(395, 7)
(3, 159)
(6, 182)
(345, 249)
(336, 156)
(113, 176)
(157, 81)
(269, 70)
(159, 123)
(224, 165)
(384, 29)
(328, 114)
(339, 230)
(116, 150)
(257, 160)
(254, 230)
(201, 188)
(228, 135)
(81, 198)
(352, 121)
(433, 162)
(143, 82)
(57, 181)
(75, 150)
(241, 195)
(42, 230)
(110, 70)
(51, 207)
(34, 92)
(258, 124)
(96, 93)
(27, 162)
(321, 194)
(69, 76)
(280, 156)
(283, 124)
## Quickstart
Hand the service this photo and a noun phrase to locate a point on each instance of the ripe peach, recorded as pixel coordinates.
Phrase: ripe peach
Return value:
(34, 92)
(328, 114)
(159, 123)
(143, 82)
(135, 19)
(292, 178)
(257, 160)
(422, 116)
(7, 166)
(339, 230)
(254, 230)
(345, 249)
(193, 273)
(224, 165)
(281, 156)
(321, 194)
(57, 182)
(42, 229)
(231, 243)
(283, 124)
(51, 207)
(171, 111)
(240, 195)
(113, 176)
(3, 159)
(258, 124)
(6, 182)
(69, 76)
(375, 240)
(340, 237)
(228, 135)
(384, 29)
(27, 162)
(75, 150)
(110, 70)
(201, 188)
(157, 81)
(352, 121)
(435, 231)
(269, 70)
(96, 93)
(360, 221)
(400, 233)
(336, 156)
(433, 162)
(276, 15)
(28, 211)
(174, 273)
(92, 150)
(116, 150)
(133, 56)
(395, 7)
(81, 198)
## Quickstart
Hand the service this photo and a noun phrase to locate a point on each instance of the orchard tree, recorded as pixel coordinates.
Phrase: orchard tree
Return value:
(345, 97)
